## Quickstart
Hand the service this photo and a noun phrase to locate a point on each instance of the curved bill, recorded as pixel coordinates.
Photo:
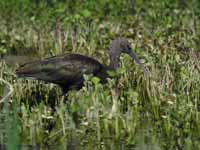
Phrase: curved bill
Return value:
(137, 60)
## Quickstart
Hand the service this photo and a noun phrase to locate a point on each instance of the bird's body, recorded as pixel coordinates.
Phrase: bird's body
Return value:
(67, 70)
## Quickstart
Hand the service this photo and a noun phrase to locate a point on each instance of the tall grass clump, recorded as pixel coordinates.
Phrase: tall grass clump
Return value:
(130, 111)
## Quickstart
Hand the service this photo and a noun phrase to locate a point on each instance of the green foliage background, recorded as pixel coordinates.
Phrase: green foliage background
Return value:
(160, 112)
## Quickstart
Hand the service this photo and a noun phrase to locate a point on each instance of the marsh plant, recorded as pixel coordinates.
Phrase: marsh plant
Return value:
(130, 111)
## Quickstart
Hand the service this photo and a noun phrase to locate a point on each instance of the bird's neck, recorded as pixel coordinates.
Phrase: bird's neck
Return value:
(114, 62)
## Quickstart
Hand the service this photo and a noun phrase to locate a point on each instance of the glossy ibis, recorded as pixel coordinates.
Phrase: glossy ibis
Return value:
(67, 70)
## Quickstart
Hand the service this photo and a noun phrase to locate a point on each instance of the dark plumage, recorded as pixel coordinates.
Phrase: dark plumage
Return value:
(67, 70)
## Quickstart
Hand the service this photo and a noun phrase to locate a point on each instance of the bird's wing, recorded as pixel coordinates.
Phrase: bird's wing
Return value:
(61, 68)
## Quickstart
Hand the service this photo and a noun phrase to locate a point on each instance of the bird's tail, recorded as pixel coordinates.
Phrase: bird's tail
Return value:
(28, 70)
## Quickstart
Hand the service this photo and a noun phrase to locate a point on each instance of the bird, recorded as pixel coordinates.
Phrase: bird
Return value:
(68, 70)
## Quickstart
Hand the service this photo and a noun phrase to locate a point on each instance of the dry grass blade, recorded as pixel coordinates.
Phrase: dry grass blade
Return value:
(9, 93)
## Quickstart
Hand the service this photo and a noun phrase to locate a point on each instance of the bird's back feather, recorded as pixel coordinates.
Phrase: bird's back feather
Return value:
(66, 70)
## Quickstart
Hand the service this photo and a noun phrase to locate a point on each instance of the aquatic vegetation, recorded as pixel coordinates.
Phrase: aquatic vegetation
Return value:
(129, 111)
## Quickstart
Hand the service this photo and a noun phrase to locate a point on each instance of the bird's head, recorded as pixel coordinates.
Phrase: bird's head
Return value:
(121, 45)
(118, 46)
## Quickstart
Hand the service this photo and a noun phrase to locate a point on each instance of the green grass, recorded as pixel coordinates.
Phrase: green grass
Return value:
(158, 112)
